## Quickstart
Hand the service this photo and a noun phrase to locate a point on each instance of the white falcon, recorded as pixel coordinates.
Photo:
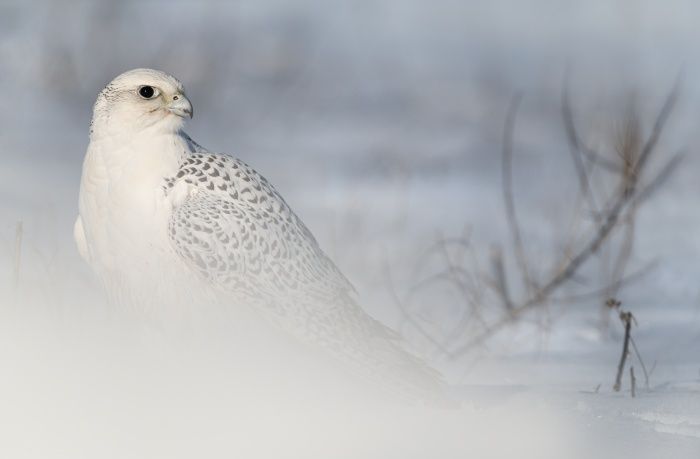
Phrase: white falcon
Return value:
(156, 209)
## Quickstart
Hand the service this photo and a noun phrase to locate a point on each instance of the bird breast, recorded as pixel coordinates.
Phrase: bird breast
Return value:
(123, 208)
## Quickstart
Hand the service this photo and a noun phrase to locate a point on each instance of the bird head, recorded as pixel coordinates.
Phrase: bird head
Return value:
(140, 100)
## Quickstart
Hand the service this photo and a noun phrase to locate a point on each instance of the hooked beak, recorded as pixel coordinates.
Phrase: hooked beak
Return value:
(180, 106)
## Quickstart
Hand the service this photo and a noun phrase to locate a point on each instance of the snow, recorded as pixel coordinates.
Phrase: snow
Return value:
(395, 109)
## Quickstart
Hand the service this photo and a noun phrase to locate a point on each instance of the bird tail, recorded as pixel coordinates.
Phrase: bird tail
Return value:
(379, 354)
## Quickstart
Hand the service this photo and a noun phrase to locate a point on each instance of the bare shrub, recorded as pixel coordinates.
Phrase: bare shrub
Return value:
(605, 213)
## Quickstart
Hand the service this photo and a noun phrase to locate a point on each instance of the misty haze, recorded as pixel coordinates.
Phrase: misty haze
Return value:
(476, 236)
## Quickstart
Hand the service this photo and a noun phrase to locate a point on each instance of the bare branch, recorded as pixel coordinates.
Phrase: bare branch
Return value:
(644, 368)
(607, 289)
(507, 183)
(575, 149)
(659, 124)
(596, 158)
(608, 221)
(626, 318)
(661, 177)
(500, 275)
(408, 317)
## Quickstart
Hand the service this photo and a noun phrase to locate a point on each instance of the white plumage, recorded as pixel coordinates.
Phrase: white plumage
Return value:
(159, 214)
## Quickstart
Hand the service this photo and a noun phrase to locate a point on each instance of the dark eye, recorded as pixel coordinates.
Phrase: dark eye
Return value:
(147, 92)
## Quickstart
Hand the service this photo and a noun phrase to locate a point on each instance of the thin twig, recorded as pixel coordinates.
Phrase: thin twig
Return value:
(607, 289)
(626, 318)
(644, 368)
(575, 149)
(500, 275)
(508, 197)
(659, 124)
(661, 177)
(595, 158)
(408, 317)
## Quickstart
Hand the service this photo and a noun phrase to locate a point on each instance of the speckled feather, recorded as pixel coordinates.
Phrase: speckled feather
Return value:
(238, 233)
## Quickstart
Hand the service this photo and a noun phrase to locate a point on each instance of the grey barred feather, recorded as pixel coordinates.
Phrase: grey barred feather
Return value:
(238, 233)
(237, 229)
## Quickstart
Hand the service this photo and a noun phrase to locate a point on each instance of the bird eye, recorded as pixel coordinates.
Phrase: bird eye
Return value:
(148, 92)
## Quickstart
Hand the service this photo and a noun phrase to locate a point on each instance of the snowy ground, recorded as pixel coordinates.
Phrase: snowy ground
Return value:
(380, 122)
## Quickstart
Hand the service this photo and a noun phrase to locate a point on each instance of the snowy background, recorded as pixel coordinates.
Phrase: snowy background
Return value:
(380, 121)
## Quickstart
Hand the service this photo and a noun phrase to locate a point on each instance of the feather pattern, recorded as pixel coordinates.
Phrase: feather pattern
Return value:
(239, 234)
